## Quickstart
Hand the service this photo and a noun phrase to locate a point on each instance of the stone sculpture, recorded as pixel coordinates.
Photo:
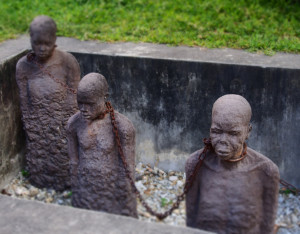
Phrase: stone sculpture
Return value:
(236, 188)
(99, 180)
(43, 78)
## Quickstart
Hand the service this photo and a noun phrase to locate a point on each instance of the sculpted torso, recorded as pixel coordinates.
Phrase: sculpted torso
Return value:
(46, 106)
(231, 199)
(43, 88)
(100, 182)
(236, 189)
(98, 177)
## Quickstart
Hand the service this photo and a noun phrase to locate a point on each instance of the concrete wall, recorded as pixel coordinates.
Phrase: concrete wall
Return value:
(170, 104)
(12, 138)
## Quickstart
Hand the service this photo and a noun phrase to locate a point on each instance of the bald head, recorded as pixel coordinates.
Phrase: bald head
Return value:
(233, 106)
(92, 86)
(43, 24)
(230, 126)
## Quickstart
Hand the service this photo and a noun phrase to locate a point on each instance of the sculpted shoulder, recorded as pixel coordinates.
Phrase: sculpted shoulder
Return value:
(192, 161)
(258, 161)
(73, 121)
(68, 59)
(22, 67)
(124, 124)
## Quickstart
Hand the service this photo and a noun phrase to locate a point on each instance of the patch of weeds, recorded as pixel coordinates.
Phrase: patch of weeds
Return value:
(287, 191)
(25, 173)
(164, 202)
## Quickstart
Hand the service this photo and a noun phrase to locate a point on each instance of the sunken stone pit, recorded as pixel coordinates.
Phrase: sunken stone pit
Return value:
(168, 93)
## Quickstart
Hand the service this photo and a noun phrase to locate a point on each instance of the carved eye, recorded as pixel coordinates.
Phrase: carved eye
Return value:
(234, 133)
(216, 131)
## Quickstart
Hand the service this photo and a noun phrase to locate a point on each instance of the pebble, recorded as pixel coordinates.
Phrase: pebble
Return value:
(33, 191)
(159, 188)
(173, 178)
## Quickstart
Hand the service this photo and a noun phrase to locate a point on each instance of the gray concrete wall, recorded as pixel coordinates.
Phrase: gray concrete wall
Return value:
(11, 133)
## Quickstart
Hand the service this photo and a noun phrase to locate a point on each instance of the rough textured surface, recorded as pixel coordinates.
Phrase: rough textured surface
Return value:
(99, 181)
(46, 105)
(20, 216)
(232, 193)
(11, 133)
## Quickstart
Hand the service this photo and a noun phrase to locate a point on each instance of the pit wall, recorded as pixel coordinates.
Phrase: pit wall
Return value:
(12, 137)
(168, 94)
(170, 104)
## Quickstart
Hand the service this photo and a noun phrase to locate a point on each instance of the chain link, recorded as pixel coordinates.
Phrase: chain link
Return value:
(289, 186)
(187, 185)
(31, 57)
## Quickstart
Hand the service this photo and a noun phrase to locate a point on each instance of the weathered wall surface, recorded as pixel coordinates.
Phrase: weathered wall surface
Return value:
(12, 137)
(170, 105)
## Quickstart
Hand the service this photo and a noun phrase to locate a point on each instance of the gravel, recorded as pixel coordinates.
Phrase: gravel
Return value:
(159, 188)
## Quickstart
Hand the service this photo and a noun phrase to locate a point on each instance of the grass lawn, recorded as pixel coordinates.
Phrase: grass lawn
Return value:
(254, 25)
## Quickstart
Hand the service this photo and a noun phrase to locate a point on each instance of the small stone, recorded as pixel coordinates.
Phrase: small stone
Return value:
(33, 192)
(60, 201)
(294, 219)
(48, 199)
(180, 183)
(41, 196)
(176, 212)
(140, 186)
(171, 173)
(173, 178)
(21, 191)
(145, 214)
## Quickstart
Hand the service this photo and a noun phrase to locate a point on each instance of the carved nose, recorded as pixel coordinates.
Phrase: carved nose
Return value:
(42, 48)
(223, 139)
(83, 108)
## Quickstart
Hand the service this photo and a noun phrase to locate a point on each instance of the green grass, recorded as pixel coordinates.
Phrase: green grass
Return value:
(254, 25)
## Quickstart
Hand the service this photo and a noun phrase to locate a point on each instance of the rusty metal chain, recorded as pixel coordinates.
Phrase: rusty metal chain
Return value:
(187, 185)
(31, 57)
(289, 186)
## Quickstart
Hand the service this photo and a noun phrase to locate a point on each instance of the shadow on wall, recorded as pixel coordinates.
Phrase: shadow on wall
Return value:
(12, 136)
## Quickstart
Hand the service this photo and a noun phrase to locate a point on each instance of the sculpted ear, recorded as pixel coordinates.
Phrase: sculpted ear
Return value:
(249, 130)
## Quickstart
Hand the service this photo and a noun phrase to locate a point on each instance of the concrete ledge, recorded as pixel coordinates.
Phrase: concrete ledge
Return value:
(159, 51)
(20, 217)
(181, 53)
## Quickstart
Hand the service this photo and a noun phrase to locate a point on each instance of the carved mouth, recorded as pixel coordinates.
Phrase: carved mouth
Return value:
(86, 115)
(222, 153)
(42, 55)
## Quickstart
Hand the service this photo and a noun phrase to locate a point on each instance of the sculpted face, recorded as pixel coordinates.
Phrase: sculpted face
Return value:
(43, 45)
(91, 107)
(91, 96)
(230, 126)
(43, 37)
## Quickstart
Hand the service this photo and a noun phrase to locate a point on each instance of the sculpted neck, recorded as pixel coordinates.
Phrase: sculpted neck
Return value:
(217, 164)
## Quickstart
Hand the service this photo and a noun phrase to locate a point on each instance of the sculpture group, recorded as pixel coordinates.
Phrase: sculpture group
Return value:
(234, 191)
